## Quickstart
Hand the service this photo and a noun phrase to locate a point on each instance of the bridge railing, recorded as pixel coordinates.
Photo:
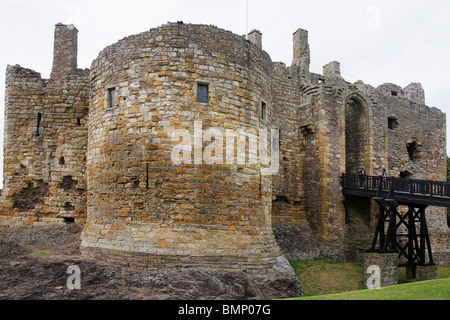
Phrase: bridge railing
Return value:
(393, 186)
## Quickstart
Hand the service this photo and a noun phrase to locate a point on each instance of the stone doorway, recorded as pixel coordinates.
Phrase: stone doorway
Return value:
(356, 136)
(357, 210)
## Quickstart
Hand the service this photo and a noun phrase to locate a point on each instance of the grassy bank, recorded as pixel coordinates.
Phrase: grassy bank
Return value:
(424, 290)
(331, 280)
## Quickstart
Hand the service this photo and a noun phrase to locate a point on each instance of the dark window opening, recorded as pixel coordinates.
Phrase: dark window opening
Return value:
(307, 129)
(78, 122)
(412, 150)
(112, 97)
(69, 220)
(281, 199)
(39, 119)
(263, 110)
(394, 93)
(147, 176)
(405, 174)
(202, 93)
(62, 161)
(392, 123)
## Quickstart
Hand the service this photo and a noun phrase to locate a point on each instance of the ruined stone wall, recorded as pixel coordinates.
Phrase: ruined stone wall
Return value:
(311, 150)
(407, 138)
(291, 222)
(307, 207)
(287, 183)
(44, 148)
(65, 51)
(143, 205)
(396, 122)
(344, 128)
(417, 150)
(326, 205)
(144, 99)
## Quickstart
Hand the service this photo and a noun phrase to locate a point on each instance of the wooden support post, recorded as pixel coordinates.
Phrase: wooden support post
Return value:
(416, 246)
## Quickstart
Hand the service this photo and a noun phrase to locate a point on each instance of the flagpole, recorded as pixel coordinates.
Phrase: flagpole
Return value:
(246, 25)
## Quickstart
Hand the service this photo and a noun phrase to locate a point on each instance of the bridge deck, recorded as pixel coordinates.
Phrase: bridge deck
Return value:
(421, 192)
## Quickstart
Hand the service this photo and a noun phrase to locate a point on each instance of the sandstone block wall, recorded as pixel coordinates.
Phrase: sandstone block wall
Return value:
(46, 139)
(97, 146)
(44, 148)
(345, 128)
(139, 199)
(65, 51)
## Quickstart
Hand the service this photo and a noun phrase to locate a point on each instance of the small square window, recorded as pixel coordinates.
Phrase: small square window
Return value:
(263, 110)
(392, 123)
(394, 93)
(112, 97)
(202, 93)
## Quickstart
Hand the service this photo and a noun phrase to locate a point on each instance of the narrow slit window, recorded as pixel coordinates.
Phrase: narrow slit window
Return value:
(202, 93)
(263, 110)
(39, 120)
(412, 150)
(147, 175)
(112, 97)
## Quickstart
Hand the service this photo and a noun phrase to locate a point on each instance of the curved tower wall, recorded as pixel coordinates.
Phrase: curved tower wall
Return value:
(146, 210)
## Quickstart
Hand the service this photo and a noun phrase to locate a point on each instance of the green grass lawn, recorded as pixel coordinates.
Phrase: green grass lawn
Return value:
(424, 290)
(325, 277)
(324, 280)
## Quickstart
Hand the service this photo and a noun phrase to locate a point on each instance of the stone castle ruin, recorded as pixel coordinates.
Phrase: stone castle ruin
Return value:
(96, 146)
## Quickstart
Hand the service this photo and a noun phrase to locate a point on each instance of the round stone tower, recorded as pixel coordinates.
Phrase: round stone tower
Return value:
(166, 184)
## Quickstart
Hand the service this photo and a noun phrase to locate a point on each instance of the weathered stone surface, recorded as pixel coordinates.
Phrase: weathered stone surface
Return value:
(34, 263)
(96, 145)
(296, 241)
(388, 267)
(423, 273)
(176, 214)
(47, 280)
(45, 142)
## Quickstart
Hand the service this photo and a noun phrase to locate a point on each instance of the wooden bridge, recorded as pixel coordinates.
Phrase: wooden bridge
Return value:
(404, 231)
(421, 192)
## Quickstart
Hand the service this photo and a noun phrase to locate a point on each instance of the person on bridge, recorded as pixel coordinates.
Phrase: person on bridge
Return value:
(362, 177)
(384, 176)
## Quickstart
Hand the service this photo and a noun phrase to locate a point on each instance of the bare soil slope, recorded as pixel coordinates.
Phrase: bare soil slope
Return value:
(34, 262)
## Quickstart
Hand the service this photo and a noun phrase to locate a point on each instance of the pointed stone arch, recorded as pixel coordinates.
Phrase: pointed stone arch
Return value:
(357, 157)
(357, 134)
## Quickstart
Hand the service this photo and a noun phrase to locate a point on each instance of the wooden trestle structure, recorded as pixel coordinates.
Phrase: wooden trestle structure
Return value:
(401, 231)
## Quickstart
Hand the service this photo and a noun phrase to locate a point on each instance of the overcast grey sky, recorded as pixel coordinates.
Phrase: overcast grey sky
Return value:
(376, 41)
